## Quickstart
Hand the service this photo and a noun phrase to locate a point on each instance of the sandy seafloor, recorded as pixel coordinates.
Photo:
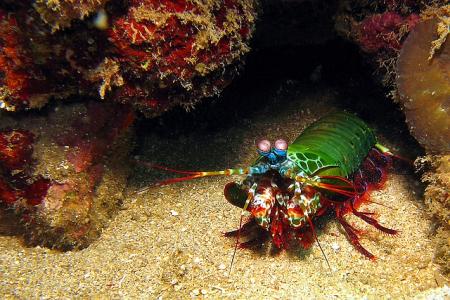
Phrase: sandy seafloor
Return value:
(167, 243)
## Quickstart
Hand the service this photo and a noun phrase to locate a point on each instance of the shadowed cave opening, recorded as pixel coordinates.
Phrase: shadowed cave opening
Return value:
(295, 48)
(271, 74)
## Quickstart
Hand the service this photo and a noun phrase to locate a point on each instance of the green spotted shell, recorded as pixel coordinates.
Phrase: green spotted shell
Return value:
(334, 145)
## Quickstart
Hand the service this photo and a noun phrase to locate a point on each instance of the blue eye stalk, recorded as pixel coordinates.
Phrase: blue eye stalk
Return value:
(275, 156)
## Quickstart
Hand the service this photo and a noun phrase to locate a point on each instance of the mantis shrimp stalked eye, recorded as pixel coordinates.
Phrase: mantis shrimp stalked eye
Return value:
(264, 146)
(281, 145)
(331, 167)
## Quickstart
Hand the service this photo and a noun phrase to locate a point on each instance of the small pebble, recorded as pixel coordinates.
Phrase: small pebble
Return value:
(222, 267)
(196, 292)
(336, 247)
(101, 20)
(177, 287)
(173, 213)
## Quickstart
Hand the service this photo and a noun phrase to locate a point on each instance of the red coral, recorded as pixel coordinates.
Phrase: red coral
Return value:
(175, 39)
(170, 50)
(384, 31)
(20, 78)
(156, 54)
(16, 147)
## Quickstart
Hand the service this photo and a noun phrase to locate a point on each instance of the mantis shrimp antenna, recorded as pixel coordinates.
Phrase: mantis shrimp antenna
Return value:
(236, 244)
(317, 240)
(193, 174)
(190, 174)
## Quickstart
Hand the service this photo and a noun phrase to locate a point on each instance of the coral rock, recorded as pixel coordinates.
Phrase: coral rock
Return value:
(436, 173)
(21, 83)
(179, 51)
(384, 31)
(15, 148)
(36, 65)
(73, 182)
(154, 55)
(424, 87)
(60, 13)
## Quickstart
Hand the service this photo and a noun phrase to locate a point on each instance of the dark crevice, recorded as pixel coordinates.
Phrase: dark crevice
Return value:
(294, 46)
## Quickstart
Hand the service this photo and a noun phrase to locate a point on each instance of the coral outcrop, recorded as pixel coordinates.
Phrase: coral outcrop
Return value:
(435, 171)
(37, 66)
(406, 41)
(63, 173)
(173, 52)
(22, 83)
(424, 86)
(154, 54)
(60, 13)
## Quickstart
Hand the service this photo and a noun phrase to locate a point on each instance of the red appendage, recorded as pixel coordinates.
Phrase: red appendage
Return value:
(371, 175)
